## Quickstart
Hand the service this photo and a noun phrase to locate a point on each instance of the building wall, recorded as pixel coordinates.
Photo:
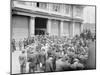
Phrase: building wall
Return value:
(55, 27)
(71, 30)
(66, 28)
(89, 26)
(64, 9)
(77, 28)
(20, 28)
(71, 11)
(77, 12)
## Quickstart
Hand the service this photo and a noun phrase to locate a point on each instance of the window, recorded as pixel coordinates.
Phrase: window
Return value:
(38, 4)
(43, 5)
(29, 3)
(67, 9)
(34, 4)
(78, 11)
(22, 2)
(56, 7)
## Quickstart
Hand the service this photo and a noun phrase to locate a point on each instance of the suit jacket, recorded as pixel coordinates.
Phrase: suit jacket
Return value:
(34, 60)
(22, 59)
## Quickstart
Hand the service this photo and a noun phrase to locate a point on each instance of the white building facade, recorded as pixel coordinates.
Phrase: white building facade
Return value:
(35, 18)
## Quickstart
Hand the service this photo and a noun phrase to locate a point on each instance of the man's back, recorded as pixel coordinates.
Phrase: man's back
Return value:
(22, 59)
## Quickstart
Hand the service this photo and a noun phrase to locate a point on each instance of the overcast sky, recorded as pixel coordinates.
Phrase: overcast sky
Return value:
(89, 14)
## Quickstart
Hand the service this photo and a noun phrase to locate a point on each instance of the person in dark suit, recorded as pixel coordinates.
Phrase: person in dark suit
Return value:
(42, 58)
(33, 40)
(13, 45)
(33, 63)
(76, 65)
(20, 45)
(25, 43)
(54, 63)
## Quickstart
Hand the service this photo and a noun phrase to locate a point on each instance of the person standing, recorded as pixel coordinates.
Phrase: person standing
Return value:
(22, 61)
(25, 43)
(76, 65)
(33, 63)
(49, 65)
(20, 45)
(42, 58)
(13, 45)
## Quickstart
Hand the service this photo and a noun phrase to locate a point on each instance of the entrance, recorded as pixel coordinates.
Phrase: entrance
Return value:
(40, 26)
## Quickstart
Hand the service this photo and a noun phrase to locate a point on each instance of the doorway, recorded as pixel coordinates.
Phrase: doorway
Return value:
(40, 26)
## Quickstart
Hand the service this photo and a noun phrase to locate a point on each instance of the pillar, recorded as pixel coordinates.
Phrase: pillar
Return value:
(61, 27)
(81, 27)
(72, 29)
(49, 26)
(32, 26)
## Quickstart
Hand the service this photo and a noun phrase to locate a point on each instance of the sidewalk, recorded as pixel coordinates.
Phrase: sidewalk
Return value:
(15, 62)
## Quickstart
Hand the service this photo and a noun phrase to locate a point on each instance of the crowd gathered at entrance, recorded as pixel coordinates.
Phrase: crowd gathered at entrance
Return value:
(46, 53)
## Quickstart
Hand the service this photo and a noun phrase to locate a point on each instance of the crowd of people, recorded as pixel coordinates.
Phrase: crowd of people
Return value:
(53, 53)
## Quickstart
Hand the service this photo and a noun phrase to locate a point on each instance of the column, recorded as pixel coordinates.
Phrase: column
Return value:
(49, 26)
(49, 6)
(73, 29)
(34, 4)
(81, 27)
(61, 27)
(32, 26)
